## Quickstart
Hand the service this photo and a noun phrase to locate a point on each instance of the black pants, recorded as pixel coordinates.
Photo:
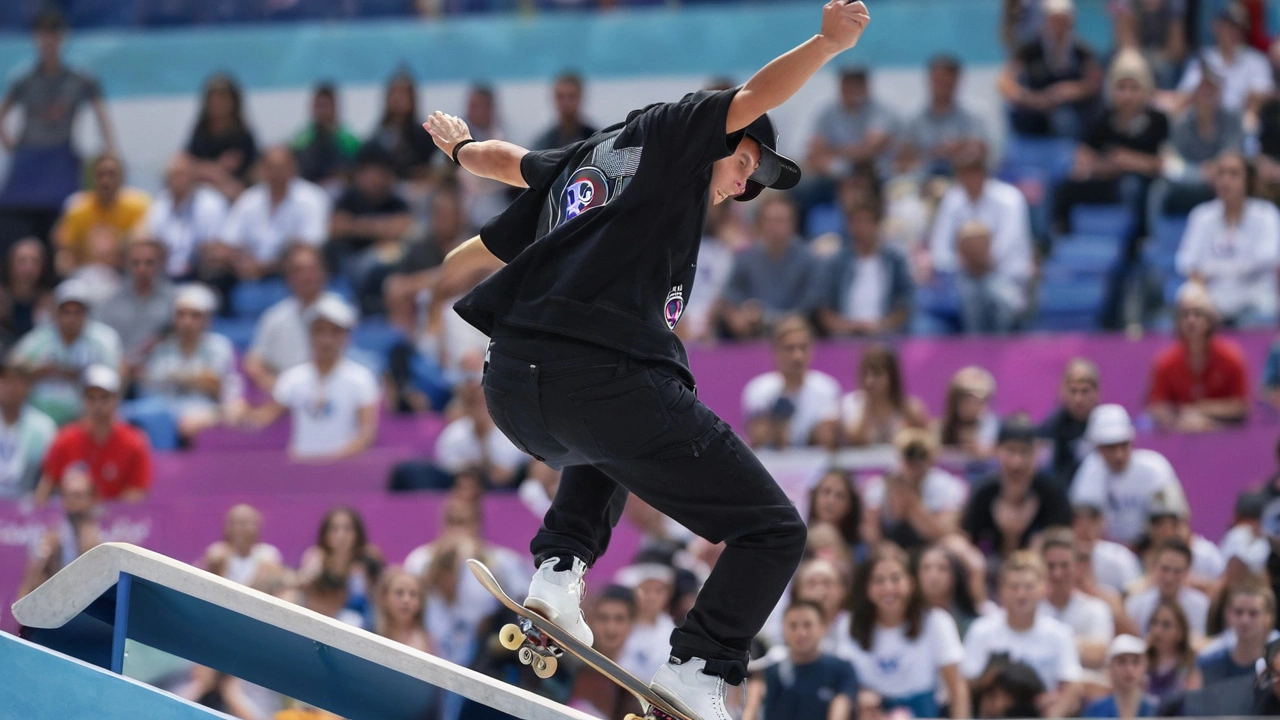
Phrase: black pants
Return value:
(617, 425)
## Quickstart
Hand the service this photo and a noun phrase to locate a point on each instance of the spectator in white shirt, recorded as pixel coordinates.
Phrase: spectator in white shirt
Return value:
(866, 288)
(1245, 72)
(918, 503)
(268, 217)
(473, 443)
(650, 642)
(192, 372)
(793, 406)
(1119, 479)
(1168, 520)
(1232, 246)
(185, 216)
(25, 434)
(904, 651)
(1089, 618)
(333, 400)
(1114, 565)
(1025, 635)
(240, 556)
(280, 338)
(1172, 567)
(997, 204)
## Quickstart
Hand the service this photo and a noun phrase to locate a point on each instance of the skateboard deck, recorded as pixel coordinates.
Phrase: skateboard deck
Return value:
(537, 640)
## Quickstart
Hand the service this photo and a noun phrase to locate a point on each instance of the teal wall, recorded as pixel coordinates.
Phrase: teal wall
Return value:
(644, 42)
(39, 684)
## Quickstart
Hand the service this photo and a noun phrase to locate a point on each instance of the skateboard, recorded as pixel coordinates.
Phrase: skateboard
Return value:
(540, 643)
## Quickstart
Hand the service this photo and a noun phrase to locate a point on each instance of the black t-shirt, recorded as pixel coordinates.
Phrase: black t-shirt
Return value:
(980, 525)
(1039, 73)
(358, 204)
(1067, 434)
(1145, 134)
(207, 146)
(411, 148)
(1269, 128)
(602, 246)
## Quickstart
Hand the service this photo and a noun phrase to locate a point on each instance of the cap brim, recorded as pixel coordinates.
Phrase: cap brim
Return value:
(776, 171)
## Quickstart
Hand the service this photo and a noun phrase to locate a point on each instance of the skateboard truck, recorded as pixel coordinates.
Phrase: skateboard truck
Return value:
(532, 647)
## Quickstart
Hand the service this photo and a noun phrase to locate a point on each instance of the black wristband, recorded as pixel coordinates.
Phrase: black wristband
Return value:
(458, 147)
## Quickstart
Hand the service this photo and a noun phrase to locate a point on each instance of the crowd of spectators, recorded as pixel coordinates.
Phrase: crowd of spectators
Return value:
(999, 567)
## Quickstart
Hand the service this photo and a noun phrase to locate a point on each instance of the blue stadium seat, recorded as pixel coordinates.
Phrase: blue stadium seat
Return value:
(823, 219)
(1053, 155)
(1159, 258)
(1106, 220)
(1069, 304)
(1084, 254)
(1169, 230)
(375, 335)
(250, 299)
(238, 330)
(16, 15)
(99, 13)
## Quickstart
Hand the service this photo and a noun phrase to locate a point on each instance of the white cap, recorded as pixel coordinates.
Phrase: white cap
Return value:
(632, 575)
(195, 296)
(1125, 645)
(73, 290)
(102, 377)
(1053, 7)
(1109, 425)
(335, 310)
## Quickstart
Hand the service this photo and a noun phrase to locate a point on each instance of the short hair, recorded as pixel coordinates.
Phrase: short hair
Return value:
(1022, 561)
(1086, 368)
(1252, 586)
(10, 367)
(50, 19)
(571, 77)
(790, 324)
(803, 604)
(481, 88)
(619, 594)
(875, 209)
(945, 61)
(854, 72)
(325, 88)
(1174, 545)
(1058, 537)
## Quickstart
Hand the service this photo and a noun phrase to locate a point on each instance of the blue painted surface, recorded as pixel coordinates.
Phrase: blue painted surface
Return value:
(120, 631)
(40, 684)
(642, 42)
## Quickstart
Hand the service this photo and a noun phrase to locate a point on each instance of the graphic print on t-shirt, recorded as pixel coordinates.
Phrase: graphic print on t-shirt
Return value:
(596, 182)
(675, 306)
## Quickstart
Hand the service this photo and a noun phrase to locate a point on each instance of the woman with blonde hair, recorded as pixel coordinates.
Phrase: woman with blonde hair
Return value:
(400, 609)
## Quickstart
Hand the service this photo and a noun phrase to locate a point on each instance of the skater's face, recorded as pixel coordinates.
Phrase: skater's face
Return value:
(802, 630)
(890, 587)
(831, 500)
(611, 622)
(937, 581)
(729, 175)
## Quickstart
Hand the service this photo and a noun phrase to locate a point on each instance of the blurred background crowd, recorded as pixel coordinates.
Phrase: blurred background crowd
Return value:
(249, 323)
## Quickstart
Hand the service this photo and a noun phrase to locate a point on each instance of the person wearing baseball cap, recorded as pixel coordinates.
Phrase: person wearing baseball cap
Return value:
(57, 353)
(190, 376)
(117, 455)
(600, 252)
(1127, 667)
(1120, 479)
(333, 400)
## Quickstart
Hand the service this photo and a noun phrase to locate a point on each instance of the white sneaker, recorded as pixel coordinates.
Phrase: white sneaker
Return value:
(690, 690)
(557, 596)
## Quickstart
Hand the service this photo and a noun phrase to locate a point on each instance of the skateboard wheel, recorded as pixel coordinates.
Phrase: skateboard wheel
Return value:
(526, 656)
(511, 637)
(544, 666)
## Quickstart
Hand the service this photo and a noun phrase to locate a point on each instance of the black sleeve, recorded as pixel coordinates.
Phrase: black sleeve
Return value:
(540, 167)
(977, 517)
(690, 133)
(1160, 130)
(1098, 137)
(249, 150)
(1057, 506)
(348, 202)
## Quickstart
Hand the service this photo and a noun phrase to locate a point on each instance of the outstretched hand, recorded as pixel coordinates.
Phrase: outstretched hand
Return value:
(843, 23)
(446, 130)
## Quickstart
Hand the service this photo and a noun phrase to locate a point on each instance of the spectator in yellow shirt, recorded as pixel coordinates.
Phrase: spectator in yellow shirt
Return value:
(108, 204)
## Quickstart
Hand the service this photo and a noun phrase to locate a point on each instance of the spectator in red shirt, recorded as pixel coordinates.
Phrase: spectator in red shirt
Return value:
(116, 454)
(1200, 382)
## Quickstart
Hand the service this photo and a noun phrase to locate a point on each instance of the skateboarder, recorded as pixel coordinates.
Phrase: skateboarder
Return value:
(586, 372)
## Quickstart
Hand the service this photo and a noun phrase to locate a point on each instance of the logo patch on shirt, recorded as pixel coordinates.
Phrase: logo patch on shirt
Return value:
(675, 306)
(587, 188)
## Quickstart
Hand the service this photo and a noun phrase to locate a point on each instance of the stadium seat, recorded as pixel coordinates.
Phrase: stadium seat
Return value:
(250, 299)
(823, 219)
(1106, 220)
(1084, 254)
(374, 335)
(239, 330)
(1053, 155)
(1069, 304)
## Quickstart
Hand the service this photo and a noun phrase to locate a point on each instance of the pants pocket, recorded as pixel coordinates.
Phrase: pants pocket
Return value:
(499, 410)
(625, 417)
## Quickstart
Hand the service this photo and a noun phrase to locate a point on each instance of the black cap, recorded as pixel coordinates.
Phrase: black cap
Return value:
(1016, 429)
(776, 170)
(1249, 505)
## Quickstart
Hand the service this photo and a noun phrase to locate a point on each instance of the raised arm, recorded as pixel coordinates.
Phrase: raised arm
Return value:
(775, 83)
(494, 159)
